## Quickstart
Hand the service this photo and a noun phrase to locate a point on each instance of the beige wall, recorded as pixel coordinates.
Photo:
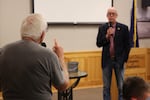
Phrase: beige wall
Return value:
(11, 14)
(71, 37)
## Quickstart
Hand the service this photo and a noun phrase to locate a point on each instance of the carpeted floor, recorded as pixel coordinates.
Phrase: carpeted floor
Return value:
(85, 94)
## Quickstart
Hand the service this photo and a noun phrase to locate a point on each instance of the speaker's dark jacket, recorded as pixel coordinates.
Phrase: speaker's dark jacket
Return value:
(121, 43)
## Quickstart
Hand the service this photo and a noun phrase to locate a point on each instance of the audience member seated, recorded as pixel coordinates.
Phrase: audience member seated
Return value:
(135, 88)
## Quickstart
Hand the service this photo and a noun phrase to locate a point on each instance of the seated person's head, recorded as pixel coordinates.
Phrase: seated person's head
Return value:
(135, 88)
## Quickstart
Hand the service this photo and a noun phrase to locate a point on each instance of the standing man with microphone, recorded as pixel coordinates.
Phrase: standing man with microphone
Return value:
(114, 39)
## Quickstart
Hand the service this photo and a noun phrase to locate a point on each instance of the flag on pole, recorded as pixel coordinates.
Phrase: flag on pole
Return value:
(133, 27)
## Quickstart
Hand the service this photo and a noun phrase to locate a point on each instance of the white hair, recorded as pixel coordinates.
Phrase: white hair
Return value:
(33, 26)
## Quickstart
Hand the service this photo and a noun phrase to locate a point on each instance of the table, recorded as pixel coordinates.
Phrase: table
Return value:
(68, 93)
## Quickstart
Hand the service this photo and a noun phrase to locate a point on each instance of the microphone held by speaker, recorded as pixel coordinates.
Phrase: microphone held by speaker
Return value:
(43, 44)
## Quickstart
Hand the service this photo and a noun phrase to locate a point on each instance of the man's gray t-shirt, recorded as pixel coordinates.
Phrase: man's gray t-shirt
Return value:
(27, 71)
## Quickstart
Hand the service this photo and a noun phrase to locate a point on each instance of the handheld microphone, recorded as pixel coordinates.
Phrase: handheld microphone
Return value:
(43, 44)
(110, 24)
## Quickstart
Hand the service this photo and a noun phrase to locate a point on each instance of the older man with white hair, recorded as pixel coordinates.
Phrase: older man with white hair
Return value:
(28, 70)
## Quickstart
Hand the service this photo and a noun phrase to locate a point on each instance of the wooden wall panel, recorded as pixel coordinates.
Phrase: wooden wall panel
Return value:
(148, 64)
(90, 61)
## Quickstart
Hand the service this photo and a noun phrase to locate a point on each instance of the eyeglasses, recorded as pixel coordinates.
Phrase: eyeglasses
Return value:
(111, 14)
